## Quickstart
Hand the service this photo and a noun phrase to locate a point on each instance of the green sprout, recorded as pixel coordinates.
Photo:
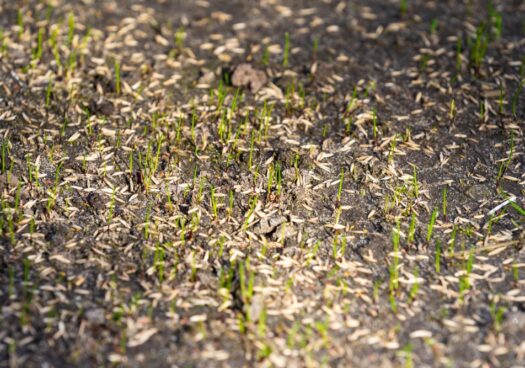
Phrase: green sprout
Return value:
(430, 227)
(503, 167)
(117, 77)
(71, 29)
(444, 203)
(286, 49)
(403, 7)
(37, 53)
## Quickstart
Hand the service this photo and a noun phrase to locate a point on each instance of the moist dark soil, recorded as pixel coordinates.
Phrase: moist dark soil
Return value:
(262, 183)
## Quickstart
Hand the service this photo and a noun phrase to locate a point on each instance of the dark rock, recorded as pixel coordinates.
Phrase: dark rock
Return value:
(95, 200)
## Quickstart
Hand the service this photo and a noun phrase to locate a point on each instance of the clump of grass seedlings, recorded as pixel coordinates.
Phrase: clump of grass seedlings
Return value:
(478, 46)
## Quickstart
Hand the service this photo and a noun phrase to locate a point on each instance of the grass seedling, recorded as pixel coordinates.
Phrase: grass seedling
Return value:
(52, 198)
(200, 191)
(168, 199)
(376, 287)
(64, 126)
(430, 227)
(393, 144)
(3, 42)
(180, 36)
(412, 228)
(17, 199)
(37, 53)
(452, 241)
(515, 272)
(182, 225)
(482, 111)
(48, 93)
(84, 44)
(452, 110)
(403, 7)
(278, 178)
(518, 208)
(112, 205)
(263, 352)
(478, 47)
(71, 29)
(194, 122)
(334, 247)
(286, 49)
(20, 23)
(504, 165)
(324, 133)
(394, 268)
(71, 62)
(374, 125)
(423, 62)
(270, 176)
(193, 276)
(266, 55)
(54, 46)
(433, 26)
(230, 202)
(444, 203)
(117, 77)
(253, 203)
(497, 315)
(464, 280)
(392, 300)
(315, 47)
(213, 201)
(250, 157)
(501, 99)
(438, 257)
(342, 248)
(340, 189)
(406, 352)
(415, 286)
(5, 156)
(496, 22)
(352, 103)
(394, 276)
(415, 184)
(313, 252)
(246, 284)
(158, 261)
(348, 125)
